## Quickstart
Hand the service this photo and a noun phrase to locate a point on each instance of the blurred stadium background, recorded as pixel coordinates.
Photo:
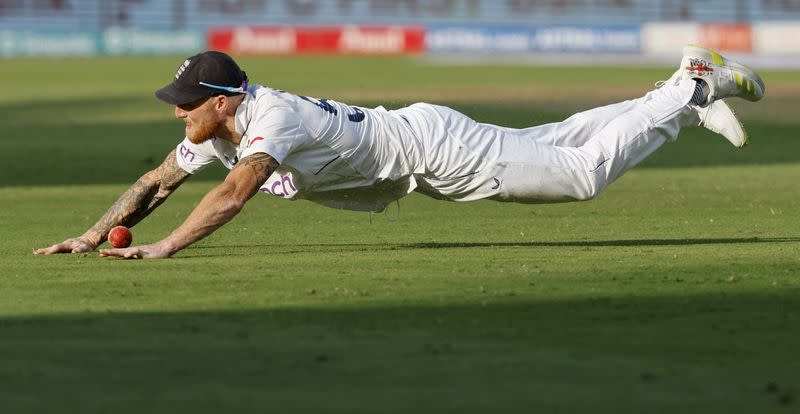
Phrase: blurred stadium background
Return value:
(564, 30)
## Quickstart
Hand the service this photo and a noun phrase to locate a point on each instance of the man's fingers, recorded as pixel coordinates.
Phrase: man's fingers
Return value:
(147, 251)
(126, 253)
(44, 250)
(133, 254)
(67, 246)
(81, 249)
(50, 250)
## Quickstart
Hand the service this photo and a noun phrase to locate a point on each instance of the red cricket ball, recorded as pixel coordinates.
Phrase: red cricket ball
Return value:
(120, 236)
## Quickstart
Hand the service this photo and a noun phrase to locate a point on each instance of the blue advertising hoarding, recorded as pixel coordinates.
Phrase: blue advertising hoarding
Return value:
(537, 39)
(112, 41)
(47, 43)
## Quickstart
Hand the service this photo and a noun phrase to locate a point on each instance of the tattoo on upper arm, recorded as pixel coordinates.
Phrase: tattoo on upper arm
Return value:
(262, 165)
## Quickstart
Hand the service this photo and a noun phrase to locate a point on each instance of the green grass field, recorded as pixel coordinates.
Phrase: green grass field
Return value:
(677, 290)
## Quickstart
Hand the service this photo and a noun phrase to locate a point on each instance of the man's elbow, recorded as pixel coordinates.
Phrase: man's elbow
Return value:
(236, 205)
(234, 200)
(233, 196)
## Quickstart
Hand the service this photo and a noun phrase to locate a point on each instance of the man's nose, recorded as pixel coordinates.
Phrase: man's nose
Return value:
(179, 113)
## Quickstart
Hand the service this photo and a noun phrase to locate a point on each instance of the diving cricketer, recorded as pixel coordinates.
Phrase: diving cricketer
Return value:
(347, 157)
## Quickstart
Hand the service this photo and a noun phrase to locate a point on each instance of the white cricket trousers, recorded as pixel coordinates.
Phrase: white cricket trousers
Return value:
(564, 161)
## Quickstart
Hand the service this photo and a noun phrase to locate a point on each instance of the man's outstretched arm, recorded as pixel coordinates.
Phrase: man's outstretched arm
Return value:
(218, 207)
(147, 193)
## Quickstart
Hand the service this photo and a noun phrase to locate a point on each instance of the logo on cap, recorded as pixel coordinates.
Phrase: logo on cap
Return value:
(182, 68)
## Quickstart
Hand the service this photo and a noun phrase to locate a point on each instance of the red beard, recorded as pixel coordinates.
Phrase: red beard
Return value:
(200, 133)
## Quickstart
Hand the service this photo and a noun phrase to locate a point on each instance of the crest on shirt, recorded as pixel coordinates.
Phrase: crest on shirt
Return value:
(253, 140)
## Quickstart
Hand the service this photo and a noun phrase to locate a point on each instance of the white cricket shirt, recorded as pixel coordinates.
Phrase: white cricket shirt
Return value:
(331, 153)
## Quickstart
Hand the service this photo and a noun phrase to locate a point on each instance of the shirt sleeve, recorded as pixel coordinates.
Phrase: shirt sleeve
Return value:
(279, 132)
(193, 157)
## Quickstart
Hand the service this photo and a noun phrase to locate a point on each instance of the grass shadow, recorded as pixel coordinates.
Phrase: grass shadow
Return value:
(607, 354)
(357, 247)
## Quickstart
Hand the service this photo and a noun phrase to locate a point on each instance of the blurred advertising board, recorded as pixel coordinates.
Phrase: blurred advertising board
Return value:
(537, 39)
(113, 41)
(730, 37)
(48, 43)
(349, 40)
(667, 38)
(777, 38)
(127, 41)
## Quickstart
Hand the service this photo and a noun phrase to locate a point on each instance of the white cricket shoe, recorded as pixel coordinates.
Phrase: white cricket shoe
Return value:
(716, 116)
(725, 78)
(720, 118)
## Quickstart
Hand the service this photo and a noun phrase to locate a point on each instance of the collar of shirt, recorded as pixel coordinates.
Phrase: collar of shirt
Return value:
(244, 111)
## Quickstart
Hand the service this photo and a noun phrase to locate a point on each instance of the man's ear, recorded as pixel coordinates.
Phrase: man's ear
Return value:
(227, 104)
(221, 103)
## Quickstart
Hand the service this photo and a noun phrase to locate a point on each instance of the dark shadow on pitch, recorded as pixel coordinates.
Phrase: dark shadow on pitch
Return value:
(610, 243)
(388, 358)
(355, 247)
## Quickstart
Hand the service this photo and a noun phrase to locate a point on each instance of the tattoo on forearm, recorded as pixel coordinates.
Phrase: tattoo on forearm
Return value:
(147, 193)
(171, 175)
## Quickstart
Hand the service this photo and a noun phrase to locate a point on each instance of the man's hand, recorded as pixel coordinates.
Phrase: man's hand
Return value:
(74, 245)
(149, 251)
(218, 207)
(147, 193)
